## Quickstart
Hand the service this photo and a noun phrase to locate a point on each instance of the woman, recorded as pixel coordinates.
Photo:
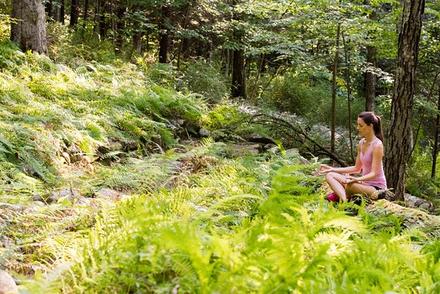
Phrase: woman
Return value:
(368, 160)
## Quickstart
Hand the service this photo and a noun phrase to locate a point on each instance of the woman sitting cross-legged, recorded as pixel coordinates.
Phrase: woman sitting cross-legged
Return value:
(368, 161)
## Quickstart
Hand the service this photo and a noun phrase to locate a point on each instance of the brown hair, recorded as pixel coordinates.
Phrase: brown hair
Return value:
(371, 119)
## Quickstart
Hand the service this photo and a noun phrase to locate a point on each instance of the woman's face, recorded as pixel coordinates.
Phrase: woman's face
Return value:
(363, 128)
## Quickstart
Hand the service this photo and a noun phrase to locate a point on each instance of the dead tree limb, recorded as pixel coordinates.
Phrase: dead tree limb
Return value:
(275, 120)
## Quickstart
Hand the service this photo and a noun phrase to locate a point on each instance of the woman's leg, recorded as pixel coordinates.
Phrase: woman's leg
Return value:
(356, 188)
(337, 183)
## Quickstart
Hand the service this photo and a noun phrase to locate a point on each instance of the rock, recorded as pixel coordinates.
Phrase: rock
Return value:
(37, 197)
(70, 194)
(13, 207)
(416, 202)
(66, 157)
(7, 283)
(411, 217)
(204, 132)
(237, 150)
(272, 148)
(110, 194)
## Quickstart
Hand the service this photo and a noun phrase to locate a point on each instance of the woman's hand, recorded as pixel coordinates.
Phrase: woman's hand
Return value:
(325, 169)
(351, 180)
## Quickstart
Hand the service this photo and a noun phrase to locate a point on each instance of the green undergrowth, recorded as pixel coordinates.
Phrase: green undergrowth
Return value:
(51, 111)
(247, 224)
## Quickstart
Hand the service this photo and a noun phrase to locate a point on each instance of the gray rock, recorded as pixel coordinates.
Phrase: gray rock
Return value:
(416, 202)
(204, 132)
(7, 283)
(68, 193)
(13, 207)
(110, 194)
(37, 197)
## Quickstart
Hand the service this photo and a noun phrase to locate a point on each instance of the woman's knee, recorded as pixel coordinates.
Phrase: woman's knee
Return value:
(330, 176)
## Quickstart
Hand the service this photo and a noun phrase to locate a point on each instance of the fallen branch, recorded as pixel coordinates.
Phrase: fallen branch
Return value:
(267, 118)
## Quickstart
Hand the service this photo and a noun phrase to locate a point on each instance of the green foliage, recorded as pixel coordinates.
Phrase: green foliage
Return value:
(50, 109)
(205, 79)
(309, 96)
(419, 180)
(220, 232)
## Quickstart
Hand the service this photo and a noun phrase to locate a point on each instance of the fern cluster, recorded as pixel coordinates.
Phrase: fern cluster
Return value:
(49, 109)
(255, 224)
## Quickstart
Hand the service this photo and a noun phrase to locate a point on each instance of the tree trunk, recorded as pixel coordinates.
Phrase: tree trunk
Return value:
(164, 35)
(436, 134)
(102, 21)
(49, 9)
(333, 111)
(86, 11)
(398, 141)
(29, 32)
(370, 80)
(370, 77)
(348, 82)
(238, 87)
(120, 26)
(74, 13)
(62, 12)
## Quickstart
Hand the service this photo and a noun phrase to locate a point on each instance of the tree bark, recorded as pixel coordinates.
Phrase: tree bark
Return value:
(370, 80)
(333, 111)
(370, 77)
(398, 141)
(120, 26)
(29, 30)
(62, 12)
(74, 13)
(349, 90)
(86, 11)
(436, 134)
(238, 87)
(164, 35)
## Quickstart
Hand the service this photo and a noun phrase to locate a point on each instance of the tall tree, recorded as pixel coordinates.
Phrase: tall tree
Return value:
(436, 134)
(29, 28)
(164, 33)
(398, 141)
(74, 12)
(62, 12)
(334, 74)
(238, 84)
(370, 77)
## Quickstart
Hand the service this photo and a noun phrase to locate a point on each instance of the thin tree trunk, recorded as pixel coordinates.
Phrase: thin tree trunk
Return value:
(238, 88)
(164, 37)
(62, 12)
(436, 134)
(398, 141)
(49, 9)
(86, 12)
(120, 26)
(102, 21)
(74, 12)
(370, 77)
(182, 40)
(333, 111)
(29, 32)
(348, 82)
(96, 17)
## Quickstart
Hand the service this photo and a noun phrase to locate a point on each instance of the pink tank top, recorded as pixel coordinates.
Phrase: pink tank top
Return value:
(366, 158)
